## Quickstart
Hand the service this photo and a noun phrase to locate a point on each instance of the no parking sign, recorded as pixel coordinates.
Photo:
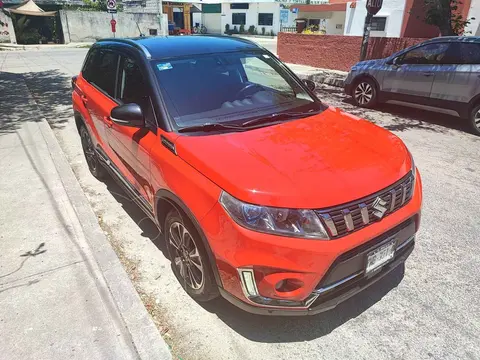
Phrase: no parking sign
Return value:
(112, 6)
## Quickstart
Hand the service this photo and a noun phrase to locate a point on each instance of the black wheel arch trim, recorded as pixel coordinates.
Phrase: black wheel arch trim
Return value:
(471, 105)
(176, 202)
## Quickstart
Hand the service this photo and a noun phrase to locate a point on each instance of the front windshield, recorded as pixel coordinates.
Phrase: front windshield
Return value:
(228, 87)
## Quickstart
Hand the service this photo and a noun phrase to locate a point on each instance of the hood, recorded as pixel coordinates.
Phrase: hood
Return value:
(320, 161)
(369, 63)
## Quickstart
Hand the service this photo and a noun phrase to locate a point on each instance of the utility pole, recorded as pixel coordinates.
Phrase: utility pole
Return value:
(366, 36)
(373, 7)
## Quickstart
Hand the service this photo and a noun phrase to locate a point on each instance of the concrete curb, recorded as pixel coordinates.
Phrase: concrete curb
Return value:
(324, 77)
(144, 334)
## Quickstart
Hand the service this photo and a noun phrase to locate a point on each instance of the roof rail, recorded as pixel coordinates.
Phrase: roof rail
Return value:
(130, 42)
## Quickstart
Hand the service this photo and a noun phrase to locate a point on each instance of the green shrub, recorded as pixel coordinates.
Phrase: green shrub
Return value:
(227, 29)
(263, 31)
(251, 29)
(242, 29)
(235, 30)
(272, 33)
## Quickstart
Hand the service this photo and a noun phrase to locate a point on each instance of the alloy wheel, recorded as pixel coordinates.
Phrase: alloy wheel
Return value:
(476, 120)
(363, 93)
(186, 257)
(88, 150)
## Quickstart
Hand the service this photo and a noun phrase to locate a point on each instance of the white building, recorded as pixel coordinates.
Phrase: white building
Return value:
(269, 15)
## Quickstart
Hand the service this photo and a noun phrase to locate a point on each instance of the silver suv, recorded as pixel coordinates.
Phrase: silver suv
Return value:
(441, 73)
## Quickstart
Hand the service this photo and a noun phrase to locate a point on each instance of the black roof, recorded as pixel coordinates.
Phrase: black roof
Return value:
(172, 46)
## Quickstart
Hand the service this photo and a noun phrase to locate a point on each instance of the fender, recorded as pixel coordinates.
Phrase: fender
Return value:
(177, 203)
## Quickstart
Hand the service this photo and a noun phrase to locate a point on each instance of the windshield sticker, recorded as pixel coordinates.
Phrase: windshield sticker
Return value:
(164, 66)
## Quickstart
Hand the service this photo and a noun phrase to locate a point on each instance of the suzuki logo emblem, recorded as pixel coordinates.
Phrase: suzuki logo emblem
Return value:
(379, 208)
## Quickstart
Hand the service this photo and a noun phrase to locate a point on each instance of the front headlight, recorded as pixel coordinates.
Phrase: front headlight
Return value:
(278, 221)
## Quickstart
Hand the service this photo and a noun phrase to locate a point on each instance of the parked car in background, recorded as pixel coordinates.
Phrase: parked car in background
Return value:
(441, 73)
(263, 194)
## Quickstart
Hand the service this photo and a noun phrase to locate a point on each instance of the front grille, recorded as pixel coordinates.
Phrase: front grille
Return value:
(344, 219)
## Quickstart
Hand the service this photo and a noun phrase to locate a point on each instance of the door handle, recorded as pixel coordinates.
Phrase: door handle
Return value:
(108, 121)
(84, 99)
(427, 73)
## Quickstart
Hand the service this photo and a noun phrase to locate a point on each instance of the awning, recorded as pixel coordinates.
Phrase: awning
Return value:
(30, 8)
(321, 7)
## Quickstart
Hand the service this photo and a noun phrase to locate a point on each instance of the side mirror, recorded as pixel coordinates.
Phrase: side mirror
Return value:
(396, 61)
(128, 115)
(310, 84)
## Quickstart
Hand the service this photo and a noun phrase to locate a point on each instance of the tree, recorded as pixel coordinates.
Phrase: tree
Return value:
(444, 15)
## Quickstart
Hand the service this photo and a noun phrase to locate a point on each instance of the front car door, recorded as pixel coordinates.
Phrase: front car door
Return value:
(457, 81)
(131, 145)
(100, 73)
(414, 71)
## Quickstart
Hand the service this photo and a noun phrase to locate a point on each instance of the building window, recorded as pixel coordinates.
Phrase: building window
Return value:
(153, 32)
(378, 23)
(265, 19)
(313, 22)
(239, 18)
(242, 6)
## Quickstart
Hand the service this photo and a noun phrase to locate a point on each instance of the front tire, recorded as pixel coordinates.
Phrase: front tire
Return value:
(188, 257)
(365, 93)
(474, 120)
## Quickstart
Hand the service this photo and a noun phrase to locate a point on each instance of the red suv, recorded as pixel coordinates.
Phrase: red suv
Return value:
(264, 195)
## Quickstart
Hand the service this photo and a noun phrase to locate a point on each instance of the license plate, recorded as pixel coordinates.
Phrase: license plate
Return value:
(380, 256)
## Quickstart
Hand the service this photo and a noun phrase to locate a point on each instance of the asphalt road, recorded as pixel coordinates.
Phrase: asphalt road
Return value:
(429, 310)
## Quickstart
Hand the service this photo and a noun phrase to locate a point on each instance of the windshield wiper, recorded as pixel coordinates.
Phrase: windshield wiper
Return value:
(210, 127)
(276, 117)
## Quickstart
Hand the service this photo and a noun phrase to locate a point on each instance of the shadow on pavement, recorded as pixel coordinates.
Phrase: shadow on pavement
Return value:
(270, 329)
(51, 91)
(148, 228)
(402, 117)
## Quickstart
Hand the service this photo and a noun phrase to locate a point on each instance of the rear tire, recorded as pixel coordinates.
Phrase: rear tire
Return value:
(365, 93)
(474, 120)
(91, 156)
(188, 257)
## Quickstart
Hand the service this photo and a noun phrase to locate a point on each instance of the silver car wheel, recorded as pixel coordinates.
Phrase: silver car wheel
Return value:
(476, 119)
(186, 256)
(363, 93)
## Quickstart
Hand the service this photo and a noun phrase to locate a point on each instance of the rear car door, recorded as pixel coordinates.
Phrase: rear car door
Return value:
(457, 80)
(99, 90)
(131, 145)
(414, 71)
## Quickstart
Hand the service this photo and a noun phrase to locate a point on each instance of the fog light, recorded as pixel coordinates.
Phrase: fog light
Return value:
(288, 285)
(247, 278)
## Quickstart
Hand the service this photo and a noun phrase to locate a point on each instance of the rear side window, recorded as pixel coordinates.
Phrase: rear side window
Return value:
(101, 70)
(469, 53)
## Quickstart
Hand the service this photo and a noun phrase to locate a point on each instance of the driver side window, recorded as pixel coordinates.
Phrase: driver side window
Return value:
(133, 89)
(259, 72)
(427, 54)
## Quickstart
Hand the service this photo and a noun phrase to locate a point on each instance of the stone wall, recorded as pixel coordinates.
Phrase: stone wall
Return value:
(87, 26)
(335, 51)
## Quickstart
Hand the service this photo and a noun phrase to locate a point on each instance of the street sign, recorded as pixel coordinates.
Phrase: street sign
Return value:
(113, 23)
(374, 6)
(112, 6)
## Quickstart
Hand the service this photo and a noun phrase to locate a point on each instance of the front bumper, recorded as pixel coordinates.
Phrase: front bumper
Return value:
(324, 303)
(310, 262)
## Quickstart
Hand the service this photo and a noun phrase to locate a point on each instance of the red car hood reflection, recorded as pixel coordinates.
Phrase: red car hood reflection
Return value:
(315, 162)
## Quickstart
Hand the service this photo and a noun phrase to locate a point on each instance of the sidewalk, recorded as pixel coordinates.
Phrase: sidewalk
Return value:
(63, 291)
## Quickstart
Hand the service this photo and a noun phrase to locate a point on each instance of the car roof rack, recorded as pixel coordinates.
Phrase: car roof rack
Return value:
(132, 43)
